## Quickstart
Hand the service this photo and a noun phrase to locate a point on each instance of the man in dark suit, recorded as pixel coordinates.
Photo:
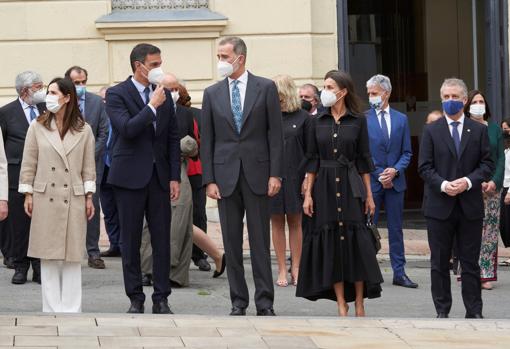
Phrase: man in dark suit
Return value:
(454, 161)
(93, 110)
(144, 171)
(390, 146)
(15, 118)
(242, 150)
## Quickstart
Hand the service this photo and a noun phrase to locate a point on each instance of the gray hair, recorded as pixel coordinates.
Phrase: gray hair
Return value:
(380, 80)
(26, 79)
(454, 82)
(238, 43)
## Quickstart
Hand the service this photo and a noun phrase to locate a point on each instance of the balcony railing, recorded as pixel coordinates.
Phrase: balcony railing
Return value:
(133, 5)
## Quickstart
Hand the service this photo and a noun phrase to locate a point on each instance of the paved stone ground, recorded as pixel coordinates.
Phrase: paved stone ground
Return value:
(400, 319)
(177, 331)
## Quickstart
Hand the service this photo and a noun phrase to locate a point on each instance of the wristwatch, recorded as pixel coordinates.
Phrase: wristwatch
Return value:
(397, 174)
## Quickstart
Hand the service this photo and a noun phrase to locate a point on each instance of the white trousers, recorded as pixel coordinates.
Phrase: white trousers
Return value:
(61, 286)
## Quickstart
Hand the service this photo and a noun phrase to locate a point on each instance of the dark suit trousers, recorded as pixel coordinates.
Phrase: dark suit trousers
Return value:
(18, 223)
(231, 210)
(394, 207)
(92, 241)
(199, 213)
(153, 202)
(109, 207)
(467, 234)
(5, 239)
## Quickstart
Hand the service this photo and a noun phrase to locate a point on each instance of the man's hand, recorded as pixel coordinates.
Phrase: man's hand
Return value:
(4, 210)
(89, 207)
(507, 199)
(213, 191)
(273, 186)
(386, 177)
(460, 185)
(158, 97)
(450, 189)
(28, 205)
(175, 190)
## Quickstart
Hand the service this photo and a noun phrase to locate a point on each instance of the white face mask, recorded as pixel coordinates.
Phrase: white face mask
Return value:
(36, 97)
(156, 75)
(328, 98)
(52, 103)
(375, 102)
(175, 96)
(477, 110)
(225, 68)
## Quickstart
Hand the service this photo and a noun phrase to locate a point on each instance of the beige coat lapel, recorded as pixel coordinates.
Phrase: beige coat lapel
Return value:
(55, 141)
(71, 139)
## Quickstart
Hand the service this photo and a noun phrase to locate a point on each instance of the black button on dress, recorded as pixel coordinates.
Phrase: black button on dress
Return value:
(337, 245)
(289, 199)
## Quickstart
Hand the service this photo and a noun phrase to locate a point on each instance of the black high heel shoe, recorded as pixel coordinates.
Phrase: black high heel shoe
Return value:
(217, 274)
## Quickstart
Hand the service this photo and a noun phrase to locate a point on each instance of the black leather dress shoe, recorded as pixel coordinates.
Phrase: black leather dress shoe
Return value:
(238, 311)
(203, 264)
(9, 262)
(217, 274)
(442, 316)
(161, 307)
(114, 252)
(20, 276)
(474, 316)
(136, 308)
(404, 281)
(266, 312)
(146, 279)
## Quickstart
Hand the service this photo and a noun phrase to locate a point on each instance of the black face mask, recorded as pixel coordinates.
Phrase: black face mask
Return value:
(506, 135)
(305, 105)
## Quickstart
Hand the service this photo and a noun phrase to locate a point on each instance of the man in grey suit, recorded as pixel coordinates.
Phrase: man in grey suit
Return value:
(93, 110)
(242, 151)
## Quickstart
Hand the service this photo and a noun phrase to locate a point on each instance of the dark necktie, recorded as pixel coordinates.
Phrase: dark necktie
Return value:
(236, 106)
(33, 115)
(456, 136)
(146, 93)
(384, 127)
(107, 159)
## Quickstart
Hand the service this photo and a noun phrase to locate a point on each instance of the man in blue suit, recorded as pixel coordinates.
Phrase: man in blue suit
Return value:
(144, 171)
(390, 146)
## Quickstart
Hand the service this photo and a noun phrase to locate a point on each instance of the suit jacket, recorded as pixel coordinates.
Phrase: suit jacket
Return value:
(259, 147)
(185, 121)
(14, 126)
(397, 153)
(4, 180)
(438, 162)
(135, 146)
(95, 116)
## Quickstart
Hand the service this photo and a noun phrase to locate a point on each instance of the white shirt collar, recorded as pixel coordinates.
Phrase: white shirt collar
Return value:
(139, 86)
(24, 104)
(450, 120)
(242, 79)
(386, 111)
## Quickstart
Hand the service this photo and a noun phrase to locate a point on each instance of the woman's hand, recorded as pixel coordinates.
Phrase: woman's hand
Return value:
(4, 210)
(89, 207)
(370, 206)
(491, 187)
(308, 206)
(507, 198)
(28, 205)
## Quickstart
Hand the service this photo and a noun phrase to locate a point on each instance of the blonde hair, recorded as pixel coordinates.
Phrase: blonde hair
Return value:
(288, 93)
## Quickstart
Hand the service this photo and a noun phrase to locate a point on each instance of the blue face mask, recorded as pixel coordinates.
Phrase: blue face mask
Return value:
(80, 90)
(452, 107)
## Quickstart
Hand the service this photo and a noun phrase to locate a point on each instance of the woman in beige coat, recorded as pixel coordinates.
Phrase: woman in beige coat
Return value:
(58, 180)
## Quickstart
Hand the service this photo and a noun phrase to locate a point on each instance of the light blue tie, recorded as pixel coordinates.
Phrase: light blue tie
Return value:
(384, 127)
(236, 106)
(33, 115)
(107, 159)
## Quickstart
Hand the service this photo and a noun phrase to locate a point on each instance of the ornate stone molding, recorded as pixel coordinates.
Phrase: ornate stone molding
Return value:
(129, 5)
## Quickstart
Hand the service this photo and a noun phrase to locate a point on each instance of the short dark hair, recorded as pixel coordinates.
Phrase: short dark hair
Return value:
(77, 69)
(140, 52)
(471, 95)
(315, 90)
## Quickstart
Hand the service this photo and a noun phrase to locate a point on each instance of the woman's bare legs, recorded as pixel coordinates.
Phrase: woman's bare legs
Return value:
(343, 307)
(360, 307)
(205, 243)
(295, 243)
(279, 244)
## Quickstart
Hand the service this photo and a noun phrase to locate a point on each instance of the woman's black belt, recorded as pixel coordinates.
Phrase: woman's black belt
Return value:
(356, 183)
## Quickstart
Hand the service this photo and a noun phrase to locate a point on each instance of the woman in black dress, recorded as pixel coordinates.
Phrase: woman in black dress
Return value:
(288, 202)
(338, 260)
